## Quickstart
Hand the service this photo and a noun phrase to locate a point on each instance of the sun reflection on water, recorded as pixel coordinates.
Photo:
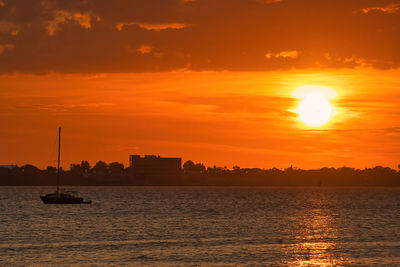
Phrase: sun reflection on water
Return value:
(314, 235)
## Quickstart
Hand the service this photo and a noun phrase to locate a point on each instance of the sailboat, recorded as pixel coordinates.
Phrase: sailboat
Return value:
(62, 196)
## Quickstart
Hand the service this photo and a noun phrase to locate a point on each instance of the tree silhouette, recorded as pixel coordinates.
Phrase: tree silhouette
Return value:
(76, 169)
(29, 168)
(51, 170)
(100, 167)
(116, 168)
(190, 166)
(85, 166)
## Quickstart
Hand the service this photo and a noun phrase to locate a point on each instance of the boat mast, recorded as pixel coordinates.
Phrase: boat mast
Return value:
(58, 168)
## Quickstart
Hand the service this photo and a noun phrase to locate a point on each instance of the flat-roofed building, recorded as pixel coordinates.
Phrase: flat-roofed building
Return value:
(152, 169)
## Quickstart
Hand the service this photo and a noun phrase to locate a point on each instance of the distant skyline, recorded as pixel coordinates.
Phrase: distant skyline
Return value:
(212, 81)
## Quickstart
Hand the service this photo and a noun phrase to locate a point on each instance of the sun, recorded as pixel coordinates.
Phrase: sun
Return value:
(315, 108)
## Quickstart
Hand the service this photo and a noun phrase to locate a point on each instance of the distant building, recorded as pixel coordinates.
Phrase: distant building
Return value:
(152, 169)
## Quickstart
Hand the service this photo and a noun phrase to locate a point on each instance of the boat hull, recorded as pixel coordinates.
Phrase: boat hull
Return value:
(52, 200)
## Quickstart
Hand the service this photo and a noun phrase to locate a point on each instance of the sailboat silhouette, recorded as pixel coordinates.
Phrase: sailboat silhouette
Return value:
(62, 196)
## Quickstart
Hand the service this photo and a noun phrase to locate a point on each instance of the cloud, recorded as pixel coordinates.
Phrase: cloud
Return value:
(152, 26)
(393, 130)
(69, 107)
(9, 27)
(389, 8)
(239, 104)
(283, 54)
(271, 1)
(145, 49)
(4, 47)
(62, 17)
(351, 61)
(254, 35)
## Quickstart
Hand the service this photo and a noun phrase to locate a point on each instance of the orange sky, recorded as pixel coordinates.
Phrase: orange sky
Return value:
(223, 118)
(206, 80)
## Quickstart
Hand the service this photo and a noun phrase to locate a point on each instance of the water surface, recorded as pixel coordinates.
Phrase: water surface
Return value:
(192, 226)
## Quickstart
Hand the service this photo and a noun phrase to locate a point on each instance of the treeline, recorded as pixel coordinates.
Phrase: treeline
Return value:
(79, 174)
(196, 174)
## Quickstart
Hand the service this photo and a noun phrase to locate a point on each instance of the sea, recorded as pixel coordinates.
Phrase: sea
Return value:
(202, 226)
